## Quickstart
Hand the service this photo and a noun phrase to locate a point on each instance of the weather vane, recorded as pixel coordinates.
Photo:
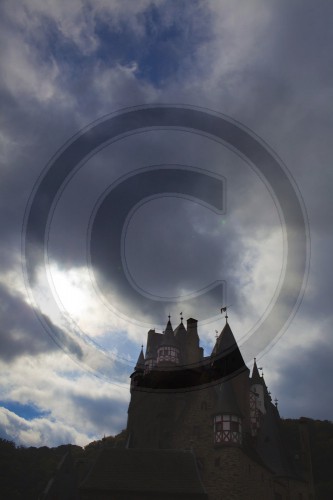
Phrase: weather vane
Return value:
(225, 309)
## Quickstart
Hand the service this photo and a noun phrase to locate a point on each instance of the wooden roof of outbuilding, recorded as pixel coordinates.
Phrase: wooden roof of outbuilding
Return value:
(143, 474)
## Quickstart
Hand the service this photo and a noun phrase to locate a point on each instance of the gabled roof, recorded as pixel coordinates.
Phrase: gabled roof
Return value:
(145, 474)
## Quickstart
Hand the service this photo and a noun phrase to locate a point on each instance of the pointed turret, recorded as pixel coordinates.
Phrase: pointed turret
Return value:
(168, 336)
(225, 342)
(138, 370)
(259, 388)
(168, 329)
(226, 357)
(227, 416)
(140, 364)
(256, 378)
(180, 334)
(180, 330)
(168, 352)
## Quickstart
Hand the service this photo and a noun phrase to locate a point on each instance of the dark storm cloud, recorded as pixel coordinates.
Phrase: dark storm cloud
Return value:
(110, 222)
(21, 333)
(279, 84)
(208, 248)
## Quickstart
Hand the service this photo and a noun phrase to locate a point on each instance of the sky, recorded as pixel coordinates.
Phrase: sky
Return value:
(110, 221)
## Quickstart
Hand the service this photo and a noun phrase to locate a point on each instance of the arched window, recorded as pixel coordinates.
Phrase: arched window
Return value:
(227, 429)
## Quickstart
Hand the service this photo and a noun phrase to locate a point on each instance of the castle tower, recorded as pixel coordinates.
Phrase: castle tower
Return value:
(168, 352)
(199, 428)
(210, 405)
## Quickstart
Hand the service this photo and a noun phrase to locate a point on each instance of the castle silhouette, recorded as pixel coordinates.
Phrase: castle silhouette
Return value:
(200, 428)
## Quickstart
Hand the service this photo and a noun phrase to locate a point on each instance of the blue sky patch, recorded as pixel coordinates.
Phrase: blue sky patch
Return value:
(26, 411)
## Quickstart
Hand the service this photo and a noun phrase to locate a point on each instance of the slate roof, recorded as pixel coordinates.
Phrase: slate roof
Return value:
(168, 338)
(256, 378)
(226, 399)
(140, 364)
(168, 329)
(225, 342)
(270, 445)
(143, 474)
(180, 330)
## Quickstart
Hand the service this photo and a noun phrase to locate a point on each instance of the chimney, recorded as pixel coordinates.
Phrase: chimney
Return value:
(192, 327)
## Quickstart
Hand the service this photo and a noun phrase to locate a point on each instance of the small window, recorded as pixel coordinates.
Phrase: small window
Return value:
(227, 429)
(149, 364)
(168, 354)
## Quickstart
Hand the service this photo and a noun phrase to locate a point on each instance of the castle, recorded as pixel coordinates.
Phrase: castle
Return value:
(200, 428)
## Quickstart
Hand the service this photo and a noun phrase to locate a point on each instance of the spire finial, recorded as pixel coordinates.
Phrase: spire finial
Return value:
(225, 309)
(169, 316)
(276, 402)
(181, 317)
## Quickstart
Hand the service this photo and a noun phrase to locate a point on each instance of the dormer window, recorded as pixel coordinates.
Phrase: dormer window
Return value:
(227, 429)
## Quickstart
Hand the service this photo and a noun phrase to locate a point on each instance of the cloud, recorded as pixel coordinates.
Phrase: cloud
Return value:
(300, 370)
(20, 331)
(77, 408)
(67, 64)
(38, 432)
